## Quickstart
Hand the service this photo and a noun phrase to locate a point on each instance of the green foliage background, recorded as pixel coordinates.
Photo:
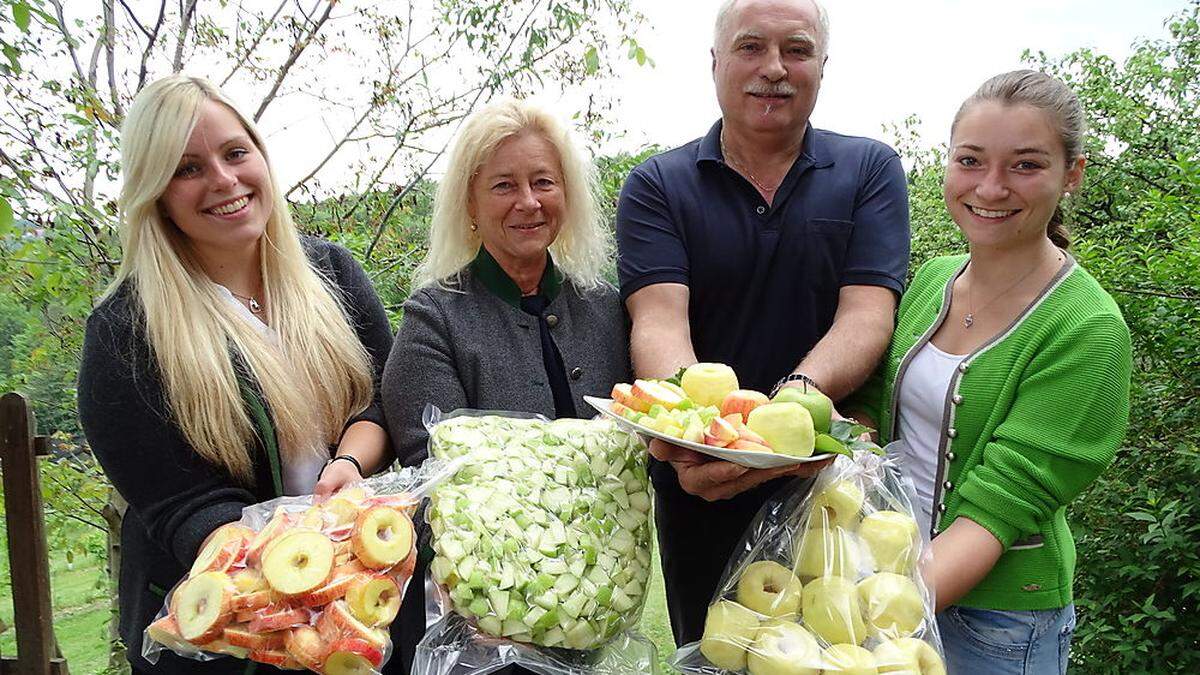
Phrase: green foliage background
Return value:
(1136, 225)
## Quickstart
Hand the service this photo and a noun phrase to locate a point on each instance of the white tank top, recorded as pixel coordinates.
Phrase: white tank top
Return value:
(920, 420)
(301, 469)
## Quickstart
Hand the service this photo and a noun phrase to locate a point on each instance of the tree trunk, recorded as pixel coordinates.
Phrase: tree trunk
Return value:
(114, 511)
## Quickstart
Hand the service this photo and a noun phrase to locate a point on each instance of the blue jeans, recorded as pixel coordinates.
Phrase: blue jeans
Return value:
(1007, 642)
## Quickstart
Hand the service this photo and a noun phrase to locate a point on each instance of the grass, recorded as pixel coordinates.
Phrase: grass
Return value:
(79, 596)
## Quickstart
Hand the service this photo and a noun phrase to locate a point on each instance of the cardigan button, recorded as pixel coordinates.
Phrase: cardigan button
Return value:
(950, 456)
(948, 486)
(962, 367)
(941, 508)
(956, 399)
(576, 373)
(952, 433)
(551, 320)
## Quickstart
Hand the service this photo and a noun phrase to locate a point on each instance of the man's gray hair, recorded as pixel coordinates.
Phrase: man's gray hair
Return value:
(726, 11)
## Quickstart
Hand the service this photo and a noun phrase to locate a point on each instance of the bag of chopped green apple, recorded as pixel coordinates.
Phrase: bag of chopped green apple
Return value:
(826, 580)
(542, 547)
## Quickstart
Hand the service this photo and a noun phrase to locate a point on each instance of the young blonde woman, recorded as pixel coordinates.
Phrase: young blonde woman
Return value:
(231, 361)
(1007, 382)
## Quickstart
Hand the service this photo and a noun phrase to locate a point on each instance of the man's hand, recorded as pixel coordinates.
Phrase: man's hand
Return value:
(712, 479)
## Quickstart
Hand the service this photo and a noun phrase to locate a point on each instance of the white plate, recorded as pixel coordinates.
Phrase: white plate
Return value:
(754, 460)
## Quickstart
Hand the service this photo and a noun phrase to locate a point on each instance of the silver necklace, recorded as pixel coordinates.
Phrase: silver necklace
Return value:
(969, 318)
(740, 167)
(255, 308)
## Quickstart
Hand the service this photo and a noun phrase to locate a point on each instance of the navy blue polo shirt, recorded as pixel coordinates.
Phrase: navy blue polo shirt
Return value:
(764, 278)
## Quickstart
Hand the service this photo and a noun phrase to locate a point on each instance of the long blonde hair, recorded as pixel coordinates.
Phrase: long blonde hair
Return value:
(583, 244)
(318, 374)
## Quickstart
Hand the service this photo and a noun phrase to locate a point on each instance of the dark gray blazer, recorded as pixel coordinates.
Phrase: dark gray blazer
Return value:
(467, 348)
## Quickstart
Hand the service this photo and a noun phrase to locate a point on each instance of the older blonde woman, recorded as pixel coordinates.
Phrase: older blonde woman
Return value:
(511, 312)
(231, 361)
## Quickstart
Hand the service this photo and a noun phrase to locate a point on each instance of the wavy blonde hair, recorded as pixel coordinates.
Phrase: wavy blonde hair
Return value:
(318, 373)
(583, 244)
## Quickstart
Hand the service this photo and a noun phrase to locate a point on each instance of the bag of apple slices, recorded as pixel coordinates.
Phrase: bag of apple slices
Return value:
(826, 581)
(542, 546)
(299, 584)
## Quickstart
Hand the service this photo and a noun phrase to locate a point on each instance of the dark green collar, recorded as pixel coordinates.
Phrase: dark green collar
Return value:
(496, 280)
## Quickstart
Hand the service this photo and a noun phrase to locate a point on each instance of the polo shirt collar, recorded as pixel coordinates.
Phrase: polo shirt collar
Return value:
(812, 149)
(498, 283)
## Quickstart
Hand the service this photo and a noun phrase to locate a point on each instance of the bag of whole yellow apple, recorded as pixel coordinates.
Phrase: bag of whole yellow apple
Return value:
(299, 584)
(826, 580)
(542, 547)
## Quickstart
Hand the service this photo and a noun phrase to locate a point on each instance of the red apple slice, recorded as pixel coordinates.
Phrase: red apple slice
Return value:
(221, 549)
(652, 392)
(242, 636)
(165, 632)
(202, 606)
(335, 589)
(374, 599)
(340, 622)
(383, 536)
(307, 646)
(720, 433)
(273, 657)
(742, 401)
(622, 394)
(274, 527)
(298, 562)
(744, 444)
(220, 646)
(278, 617)
(353, 656)
(248, 602)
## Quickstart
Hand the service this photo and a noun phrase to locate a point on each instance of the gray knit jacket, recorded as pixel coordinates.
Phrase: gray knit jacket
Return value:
(467, 348)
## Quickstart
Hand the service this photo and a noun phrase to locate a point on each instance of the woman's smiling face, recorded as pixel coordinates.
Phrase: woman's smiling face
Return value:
(1006, 173)
(517, 199)
(220, 196)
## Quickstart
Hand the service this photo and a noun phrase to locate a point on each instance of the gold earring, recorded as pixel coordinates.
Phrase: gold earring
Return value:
(474, 227)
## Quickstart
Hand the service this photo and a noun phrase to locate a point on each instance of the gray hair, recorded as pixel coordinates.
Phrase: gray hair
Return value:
(726, 12)
(1050, 95)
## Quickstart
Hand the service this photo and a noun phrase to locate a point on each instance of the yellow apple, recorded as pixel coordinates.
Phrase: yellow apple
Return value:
(382, 536)
(298, 562)
(708, 383)
(832, 611)
(784, 648)
(786, 427)
(891, 604)
(891, 538)
(909, 656)
(729, 631)
(845, 659)
(823, 552)
(203, 606)
(769, 589)
(837, 505)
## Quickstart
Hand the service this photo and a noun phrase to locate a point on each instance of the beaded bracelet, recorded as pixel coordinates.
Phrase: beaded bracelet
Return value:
(348, 458)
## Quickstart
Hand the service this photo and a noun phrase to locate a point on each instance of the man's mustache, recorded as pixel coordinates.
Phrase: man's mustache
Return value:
(780, 89)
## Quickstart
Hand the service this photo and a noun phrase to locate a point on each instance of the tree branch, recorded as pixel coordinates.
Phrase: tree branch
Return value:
(1157, 294)
(297, 49)
(254, 45)
(162, 13)
(185, 22)
(109, 49)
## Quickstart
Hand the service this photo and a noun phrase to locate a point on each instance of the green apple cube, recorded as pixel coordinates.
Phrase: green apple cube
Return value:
(543, 535)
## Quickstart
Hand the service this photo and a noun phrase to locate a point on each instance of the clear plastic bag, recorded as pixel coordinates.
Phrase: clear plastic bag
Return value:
(299, 584)
(826, 581)
(542, 547)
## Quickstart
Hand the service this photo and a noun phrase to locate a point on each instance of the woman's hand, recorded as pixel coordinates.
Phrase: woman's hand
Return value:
(334, 477)
(712, 479)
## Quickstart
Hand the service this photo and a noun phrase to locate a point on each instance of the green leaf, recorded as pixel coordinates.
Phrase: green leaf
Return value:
(827, 443)
(6, 217)
(847, 430)
(591, 60)
(677, 378)
(12, 53)
(21, 16)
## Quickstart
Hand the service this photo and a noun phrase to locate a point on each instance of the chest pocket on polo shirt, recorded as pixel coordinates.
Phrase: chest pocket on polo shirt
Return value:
(825, 243)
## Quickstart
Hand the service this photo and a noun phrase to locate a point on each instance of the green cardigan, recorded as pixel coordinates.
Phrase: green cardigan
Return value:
(1032, 417)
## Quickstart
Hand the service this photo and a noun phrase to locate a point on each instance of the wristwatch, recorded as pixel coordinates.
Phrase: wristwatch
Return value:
(794, 377)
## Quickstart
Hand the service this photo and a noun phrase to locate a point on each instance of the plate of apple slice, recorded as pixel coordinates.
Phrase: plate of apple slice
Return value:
(707, 411)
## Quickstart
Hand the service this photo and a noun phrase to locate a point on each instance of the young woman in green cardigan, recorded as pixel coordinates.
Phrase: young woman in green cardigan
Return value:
(1007, 382)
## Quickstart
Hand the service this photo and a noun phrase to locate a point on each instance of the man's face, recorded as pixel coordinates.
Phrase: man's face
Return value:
(767, 66)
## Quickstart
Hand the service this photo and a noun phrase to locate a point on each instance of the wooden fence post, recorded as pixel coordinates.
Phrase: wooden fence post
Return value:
(29, 566)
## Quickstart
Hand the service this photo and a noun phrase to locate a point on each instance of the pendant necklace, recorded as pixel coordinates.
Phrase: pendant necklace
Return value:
(255, 308)
(969, 319)
(738, 165)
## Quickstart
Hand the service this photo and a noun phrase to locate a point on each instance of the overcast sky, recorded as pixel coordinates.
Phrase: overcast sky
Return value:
(888, 59)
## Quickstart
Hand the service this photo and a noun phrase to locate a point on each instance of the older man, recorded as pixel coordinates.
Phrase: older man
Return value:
(768, 245)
